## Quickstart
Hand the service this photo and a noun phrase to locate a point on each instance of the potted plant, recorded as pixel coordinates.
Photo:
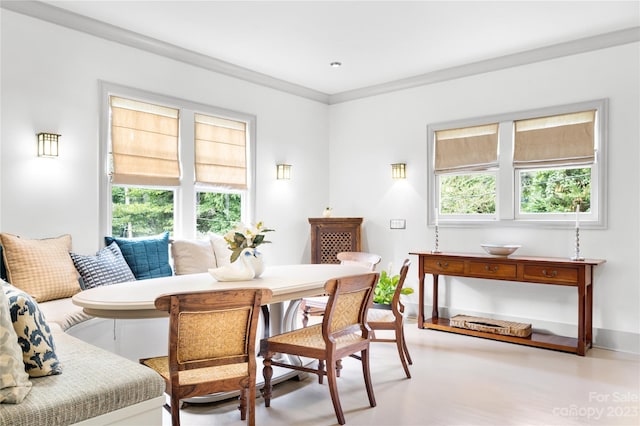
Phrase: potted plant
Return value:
(386, 287)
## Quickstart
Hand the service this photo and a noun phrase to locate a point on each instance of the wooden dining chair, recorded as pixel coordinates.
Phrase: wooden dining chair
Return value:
(212, 337)
(315, 306)
(343, 332)
(385, 319)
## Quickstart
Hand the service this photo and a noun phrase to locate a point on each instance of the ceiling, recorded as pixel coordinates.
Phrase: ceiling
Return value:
(377, 42)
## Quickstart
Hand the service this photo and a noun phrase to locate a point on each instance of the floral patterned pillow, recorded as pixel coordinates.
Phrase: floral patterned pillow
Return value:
(14, 381)
(34, 335)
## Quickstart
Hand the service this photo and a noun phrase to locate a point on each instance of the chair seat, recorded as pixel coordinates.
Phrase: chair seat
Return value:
(311, 337)
(187, 377)
(380, 315)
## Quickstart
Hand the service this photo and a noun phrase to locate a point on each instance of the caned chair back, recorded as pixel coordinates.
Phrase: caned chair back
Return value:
(349, 300)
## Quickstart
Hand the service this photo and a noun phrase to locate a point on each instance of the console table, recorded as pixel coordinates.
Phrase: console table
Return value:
(536, 270)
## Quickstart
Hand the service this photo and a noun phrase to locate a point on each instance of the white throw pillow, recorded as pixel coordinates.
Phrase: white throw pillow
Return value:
(192, 256)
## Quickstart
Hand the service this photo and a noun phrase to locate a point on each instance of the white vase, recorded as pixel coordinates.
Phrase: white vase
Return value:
(257, 263)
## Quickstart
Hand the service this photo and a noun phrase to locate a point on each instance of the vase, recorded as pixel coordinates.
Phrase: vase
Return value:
(257, 263)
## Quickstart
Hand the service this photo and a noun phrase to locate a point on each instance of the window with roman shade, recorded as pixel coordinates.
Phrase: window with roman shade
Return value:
(144, 143)
(557, 140)
(220, 151)
(531, 166)
(466, 149)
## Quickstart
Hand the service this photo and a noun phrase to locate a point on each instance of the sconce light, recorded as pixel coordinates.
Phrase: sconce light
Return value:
(399, 171)
(283, 171)
(48, 144)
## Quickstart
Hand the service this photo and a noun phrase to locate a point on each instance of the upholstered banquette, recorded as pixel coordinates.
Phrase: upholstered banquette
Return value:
(60, 366)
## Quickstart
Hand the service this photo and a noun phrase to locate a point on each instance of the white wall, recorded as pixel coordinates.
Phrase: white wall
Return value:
(50, 78)
(369, 134)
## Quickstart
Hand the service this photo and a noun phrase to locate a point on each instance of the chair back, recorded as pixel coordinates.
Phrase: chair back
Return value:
(349, 299)
(368, 260)
(396, 304)
(212, 328)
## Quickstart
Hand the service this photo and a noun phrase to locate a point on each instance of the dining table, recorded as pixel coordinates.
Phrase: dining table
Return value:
(288, 283)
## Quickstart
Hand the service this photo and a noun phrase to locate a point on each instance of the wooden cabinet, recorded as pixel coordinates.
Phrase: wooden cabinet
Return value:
(332, 235)
(537, 270)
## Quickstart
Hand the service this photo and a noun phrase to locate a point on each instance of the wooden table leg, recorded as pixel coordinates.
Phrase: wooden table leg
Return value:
(421, 298)
(582, 302)
(434, 310)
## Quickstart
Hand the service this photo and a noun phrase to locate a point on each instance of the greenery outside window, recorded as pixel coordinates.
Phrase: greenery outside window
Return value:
(546, 163)
(173, 165)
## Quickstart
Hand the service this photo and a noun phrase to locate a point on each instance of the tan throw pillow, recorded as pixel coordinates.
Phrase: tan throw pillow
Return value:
(41, 268)
(192, 256)
(220, 249)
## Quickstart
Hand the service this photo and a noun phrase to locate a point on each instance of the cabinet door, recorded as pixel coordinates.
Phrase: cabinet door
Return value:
(330, 236)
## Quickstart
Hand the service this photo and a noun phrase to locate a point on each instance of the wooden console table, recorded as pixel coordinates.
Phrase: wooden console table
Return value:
(537, 270)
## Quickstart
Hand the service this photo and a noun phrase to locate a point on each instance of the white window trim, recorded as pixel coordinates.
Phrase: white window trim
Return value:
(184, 220)
(507, 191)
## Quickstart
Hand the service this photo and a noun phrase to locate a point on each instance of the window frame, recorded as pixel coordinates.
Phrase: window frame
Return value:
(507, 180)
(184, 211)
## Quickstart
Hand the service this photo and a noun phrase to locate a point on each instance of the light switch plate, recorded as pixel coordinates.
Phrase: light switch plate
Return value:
(398, 224)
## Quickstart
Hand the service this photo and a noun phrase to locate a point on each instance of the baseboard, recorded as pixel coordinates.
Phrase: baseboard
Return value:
(620, 341)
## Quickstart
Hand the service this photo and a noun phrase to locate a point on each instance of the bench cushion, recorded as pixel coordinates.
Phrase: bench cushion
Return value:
(94, 382)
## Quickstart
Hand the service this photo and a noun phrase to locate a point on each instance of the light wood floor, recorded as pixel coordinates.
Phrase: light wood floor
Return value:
(457, 380)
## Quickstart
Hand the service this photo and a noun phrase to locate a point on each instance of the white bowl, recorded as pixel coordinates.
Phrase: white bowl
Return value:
(500, 249)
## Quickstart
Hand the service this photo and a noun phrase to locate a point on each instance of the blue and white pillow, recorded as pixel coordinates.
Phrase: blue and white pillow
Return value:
(148, 257)
(106, 267)
(14, 381)
(34, 335)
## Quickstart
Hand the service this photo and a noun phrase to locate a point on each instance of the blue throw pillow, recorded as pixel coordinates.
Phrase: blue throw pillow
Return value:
(148, 257)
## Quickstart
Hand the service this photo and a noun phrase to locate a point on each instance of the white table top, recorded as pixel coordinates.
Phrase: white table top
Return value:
(135, 299)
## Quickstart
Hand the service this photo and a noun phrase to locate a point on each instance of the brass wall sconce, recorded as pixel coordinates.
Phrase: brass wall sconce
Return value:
(48, 144)
(283, 171)
(399, 171)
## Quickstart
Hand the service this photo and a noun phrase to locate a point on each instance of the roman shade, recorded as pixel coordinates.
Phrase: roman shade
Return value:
(566, 139)
(144, 143)
(220, 151)
(466, 149)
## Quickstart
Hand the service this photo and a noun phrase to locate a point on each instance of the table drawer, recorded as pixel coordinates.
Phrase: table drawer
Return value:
(493, 270)
(443, 266)
(551, 274)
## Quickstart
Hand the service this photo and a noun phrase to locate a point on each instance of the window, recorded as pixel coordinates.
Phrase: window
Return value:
(530, 167)
(173, 165)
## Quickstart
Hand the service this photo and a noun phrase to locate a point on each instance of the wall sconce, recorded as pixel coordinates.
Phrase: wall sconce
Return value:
(283, 171)
(399, 171)
(48, 144)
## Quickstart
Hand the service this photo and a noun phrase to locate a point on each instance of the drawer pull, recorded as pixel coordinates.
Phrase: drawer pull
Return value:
(441, 265)
(552, 274)
(492, 269)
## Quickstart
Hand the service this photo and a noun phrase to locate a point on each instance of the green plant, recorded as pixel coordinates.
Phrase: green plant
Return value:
(386, 287)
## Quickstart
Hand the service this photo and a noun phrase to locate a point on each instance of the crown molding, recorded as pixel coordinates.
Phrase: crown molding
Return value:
(602, 41)
(74, 21)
